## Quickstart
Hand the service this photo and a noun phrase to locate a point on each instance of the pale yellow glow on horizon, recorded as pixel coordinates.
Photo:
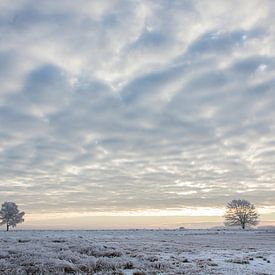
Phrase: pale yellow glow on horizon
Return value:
(191, 212)
(199, 217)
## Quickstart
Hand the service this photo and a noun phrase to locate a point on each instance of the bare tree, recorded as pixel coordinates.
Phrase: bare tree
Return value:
(240, 212)
(10, 215)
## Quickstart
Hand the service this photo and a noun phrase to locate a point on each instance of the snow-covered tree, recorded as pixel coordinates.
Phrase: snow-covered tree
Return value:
(10, 215)
(240, 212)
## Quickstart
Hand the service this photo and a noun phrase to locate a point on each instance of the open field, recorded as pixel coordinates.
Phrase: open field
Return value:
(138, 252)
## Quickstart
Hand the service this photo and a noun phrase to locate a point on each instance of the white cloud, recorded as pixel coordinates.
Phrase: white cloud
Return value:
(136, 105)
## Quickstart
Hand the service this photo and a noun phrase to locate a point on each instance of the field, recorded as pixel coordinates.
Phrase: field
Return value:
(138, 252)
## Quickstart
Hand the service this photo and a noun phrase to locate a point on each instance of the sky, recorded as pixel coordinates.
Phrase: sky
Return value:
(136, 108)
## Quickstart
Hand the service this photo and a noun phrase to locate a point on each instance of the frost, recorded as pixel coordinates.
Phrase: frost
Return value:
(138, 252)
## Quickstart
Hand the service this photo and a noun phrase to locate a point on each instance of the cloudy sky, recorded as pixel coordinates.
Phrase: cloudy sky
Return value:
(137, 107)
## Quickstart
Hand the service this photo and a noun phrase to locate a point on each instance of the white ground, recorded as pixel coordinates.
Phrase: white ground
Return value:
(138, 252)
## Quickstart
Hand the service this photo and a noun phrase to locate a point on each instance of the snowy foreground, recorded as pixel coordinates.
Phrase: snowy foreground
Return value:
(138, 252)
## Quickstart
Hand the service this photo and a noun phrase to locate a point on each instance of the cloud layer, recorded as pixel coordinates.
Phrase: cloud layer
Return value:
(136, 105)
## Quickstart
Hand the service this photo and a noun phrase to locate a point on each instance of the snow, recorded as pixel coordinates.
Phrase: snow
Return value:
(138, 252)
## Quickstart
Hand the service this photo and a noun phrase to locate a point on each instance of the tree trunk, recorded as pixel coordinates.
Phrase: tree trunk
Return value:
(243, 226)
(7, 227)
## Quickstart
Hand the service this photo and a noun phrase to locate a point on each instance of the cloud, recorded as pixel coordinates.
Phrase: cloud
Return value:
(136, 105)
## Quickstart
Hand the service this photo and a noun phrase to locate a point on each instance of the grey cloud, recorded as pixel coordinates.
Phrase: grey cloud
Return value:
(123, 109)
(218, 42)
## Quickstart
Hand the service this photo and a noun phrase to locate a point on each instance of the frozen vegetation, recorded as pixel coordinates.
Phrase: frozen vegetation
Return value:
(138, 252)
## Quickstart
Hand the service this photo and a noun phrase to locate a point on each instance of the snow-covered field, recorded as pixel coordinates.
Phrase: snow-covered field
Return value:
(138, 252)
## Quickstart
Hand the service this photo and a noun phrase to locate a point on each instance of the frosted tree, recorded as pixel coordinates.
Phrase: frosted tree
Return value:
(240, 213)
(10, 215)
